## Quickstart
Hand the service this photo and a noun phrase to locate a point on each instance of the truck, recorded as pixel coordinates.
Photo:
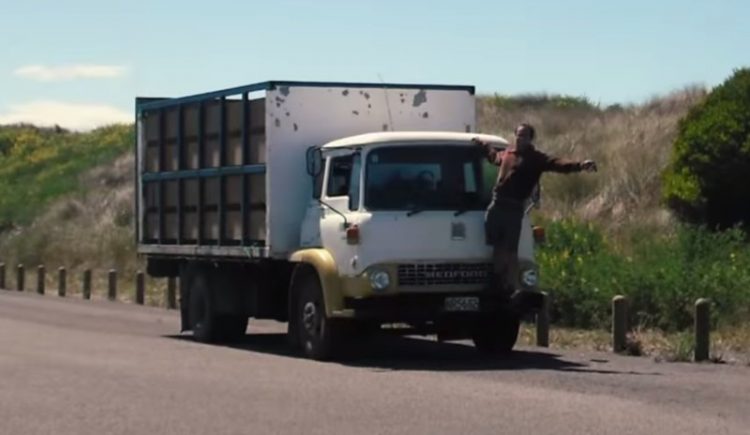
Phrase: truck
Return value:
(341, 209)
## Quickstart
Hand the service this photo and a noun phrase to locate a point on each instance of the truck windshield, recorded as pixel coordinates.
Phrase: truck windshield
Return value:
(418, 178)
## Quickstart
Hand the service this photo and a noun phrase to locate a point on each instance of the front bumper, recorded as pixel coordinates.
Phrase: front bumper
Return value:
(426, 307)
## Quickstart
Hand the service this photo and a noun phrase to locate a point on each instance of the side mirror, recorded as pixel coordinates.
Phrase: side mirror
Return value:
(314, 157)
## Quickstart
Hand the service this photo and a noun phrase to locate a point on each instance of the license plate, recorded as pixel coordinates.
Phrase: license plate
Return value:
(469, 303)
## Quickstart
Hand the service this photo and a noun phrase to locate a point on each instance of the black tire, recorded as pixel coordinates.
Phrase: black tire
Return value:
(318, 336)
(202, 316)
(208, 326)
(496, 334)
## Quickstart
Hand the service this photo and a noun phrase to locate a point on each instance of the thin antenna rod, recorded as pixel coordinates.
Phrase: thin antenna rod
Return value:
(387, 103)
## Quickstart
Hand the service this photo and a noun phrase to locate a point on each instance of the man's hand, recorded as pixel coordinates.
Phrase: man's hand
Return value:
(479, 142)
(588, 166)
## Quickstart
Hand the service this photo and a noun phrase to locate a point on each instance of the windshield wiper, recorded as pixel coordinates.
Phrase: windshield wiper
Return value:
(414, 211)
(461, 211)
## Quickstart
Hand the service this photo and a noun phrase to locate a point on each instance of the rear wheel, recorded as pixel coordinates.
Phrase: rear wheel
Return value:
(319, 336)
(496, 334)
(202, 316)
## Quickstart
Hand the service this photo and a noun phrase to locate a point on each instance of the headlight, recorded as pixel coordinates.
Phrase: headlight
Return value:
(379, 279)
(529, 277)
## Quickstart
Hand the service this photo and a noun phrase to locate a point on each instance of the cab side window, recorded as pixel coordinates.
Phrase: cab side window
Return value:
(339, 177)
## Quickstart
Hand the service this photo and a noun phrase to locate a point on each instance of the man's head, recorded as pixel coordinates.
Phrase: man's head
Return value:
(524, 135)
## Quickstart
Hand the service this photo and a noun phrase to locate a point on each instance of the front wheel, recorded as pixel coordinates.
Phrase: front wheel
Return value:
(496, 334)
(318, 335)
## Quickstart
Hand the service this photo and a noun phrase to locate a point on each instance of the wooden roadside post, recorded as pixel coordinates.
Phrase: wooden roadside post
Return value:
(112, 288)
(62, 277)
(619, 323)
(87, 284)
(2, 275)
(20, 277)
(40, 275)
(140, 288)
(542, 323)
(702, 329)
(171, 293)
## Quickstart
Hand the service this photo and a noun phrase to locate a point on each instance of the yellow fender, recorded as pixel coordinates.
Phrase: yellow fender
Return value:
(330, 281)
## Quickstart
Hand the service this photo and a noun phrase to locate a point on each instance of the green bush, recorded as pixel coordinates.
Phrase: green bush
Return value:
(662, 275)
(706, 182)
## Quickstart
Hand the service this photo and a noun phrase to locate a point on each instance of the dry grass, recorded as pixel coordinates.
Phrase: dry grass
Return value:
(631, 144)
(728, 344)
(89, 230)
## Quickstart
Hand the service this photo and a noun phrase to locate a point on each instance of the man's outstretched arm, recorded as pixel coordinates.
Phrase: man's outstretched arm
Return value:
(557, 164)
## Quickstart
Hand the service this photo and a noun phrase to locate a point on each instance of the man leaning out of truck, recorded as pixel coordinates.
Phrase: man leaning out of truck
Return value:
(520, 167)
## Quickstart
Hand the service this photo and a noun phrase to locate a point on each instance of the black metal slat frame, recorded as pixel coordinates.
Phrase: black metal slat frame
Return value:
(164, 173)
(222, 216)
(160, 186)
(244, 239)
(180, 166)
(201, 164)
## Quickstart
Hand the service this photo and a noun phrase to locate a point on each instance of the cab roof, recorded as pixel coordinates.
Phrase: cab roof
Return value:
(415, 137)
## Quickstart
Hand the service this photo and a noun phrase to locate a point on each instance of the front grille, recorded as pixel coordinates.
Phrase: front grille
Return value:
(443, 273)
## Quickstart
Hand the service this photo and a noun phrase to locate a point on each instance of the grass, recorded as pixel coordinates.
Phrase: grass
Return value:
(661, 274)
(728, 345)
(631, 145)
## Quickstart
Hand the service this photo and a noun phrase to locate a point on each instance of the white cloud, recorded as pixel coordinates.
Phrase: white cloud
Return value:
(69, 72)
(73, 116)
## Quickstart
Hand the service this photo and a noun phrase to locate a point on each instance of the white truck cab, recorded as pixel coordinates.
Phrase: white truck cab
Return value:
(401, 215)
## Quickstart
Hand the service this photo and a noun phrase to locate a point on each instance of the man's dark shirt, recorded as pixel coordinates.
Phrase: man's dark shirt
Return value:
(523, 171)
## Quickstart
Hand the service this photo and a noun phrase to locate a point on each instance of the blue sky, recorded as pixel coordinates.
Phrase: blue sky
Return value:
(80, 63)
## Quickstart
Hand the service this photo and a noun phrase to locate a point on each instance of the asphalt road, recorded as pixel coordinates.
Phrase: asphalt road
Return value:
(95, 367)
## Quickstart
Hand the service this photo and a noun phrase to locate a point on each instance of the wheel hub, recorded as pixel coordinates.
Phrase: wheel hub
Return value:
(310, 318)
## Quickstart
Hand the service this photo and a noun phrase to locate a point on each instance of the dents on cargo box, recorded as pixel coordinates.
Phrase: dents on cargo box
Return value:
(284, 90)
(355, 112)
(295, 126)
(345, 92)
(277, 122)
(420, 98)
(468, 128)
(425, 115)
